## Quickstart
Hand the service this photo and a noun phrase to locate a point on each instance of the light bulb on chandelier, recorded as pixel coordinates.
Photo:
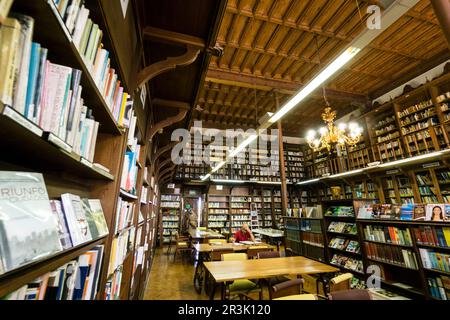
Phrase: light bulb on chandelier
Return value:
(331, 136)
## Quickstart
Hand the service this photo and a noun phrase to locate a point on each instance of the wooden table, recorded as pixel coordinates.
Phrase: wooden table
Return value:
(225, 271)
(204, 249)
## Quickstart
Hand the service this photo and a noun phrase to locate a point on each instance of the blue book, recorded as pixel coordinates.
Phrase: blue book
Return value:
(441, 237)
(407, 211)
(83, 273)
(32, 79)
(105, 65)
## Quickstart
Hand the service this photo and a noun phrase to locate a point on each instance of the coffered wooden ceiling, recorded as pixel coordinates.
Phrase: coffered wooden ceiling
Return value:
(279, 45)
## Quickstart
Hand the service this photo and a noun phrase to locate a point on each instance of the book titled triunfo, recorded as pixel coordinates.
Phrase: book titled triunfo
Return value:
(28, 229)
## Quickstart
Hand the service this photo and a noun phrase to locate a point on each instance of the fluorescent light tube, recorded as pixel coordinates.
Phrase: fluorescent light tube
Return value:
(228, 181)
(348, 173)
(242, 146)
(402, 161)
(308, 181)
(336, 65)
(204, 178)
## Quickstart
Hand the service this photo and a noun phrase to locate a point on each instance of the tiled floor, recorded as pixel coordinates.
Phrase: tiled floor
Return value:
(171, 280)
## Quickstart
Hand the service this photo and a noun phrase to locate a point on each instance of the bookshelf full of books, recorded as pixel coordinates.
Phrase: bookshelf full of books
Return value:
(170, 208)
(267, 208)
(67, 119)
(219, 211)
(240, 207)
(341, 237)
(304, 232)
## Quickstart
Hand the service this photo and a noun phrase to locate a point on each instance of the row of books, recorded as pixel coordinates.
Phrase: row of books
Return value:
(419, 212)
(342, 227)
(121, 246)
(315, 239)
(435, 260)
(401, 236)
(124, 215)
(345, 245)
(130, 168)
(34, 228)
(311, 225)
(87, 38)
(340, 211)
(347, 262)
(433, 236)
(305, 212)
(76, 280)
(439, 287)
(112, 286)
(48, 94)
(393, 255)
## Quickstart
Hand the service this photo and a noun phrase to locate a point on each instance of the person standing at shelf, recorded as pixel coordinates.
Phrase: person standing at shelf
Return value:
(244, 234)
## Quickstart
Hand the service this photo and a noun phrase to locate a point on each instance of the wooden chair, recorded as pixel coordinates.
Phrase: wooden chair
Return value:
(338, 283)
(270, 282)
(356, 294)
(216, 253)
(241, 288)
(182, 245)
(290, 290)
(252, 252)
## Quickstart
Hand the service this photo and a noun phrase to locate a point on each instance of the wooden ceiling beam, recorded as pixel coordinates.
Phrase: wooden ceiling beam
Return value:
(285, 87)
(319, 32)
(152, 33)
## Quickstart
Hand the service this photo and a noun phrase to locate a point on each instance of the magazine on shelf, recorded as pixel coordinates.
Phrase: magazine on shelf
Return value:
(28, 228)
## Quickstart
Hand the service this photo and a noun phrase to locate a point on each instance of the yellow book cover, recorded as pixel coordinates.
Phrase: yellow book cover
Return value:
(5, 5)
(446, 232)
(122, 108)
(112, 256)
(9, 39)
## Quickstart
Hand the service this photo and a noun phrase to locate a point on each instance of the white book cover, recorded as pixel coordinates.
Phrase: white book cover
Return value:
(28, 229)
(79, 26)
(55, 89)
(99, 216)
(93, 141)
(76, 220)
(71, 134)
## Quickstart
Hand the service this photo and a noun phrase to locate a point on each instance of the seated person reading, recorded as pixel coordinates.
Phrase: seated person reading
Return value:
(244, 234)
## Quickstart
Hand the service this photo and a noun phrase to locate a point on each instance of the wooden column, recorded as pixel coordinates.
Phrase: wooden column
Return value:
(441, 9)
(284, 199)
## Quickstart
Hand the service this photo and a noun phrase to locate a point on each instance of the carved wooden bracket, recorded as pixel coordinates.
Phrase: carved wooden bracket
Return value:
(163, 150)
(165, 123)
(163, 164)
(166, 171)
(170, 63)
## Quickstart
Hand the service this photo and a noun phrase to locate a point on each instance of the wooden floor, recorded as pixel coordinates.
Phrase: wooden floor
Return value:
(171, 280)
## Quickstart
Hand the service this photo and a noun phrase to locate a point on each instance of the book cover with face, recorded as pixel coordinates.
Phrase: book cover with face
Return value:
(435, 212)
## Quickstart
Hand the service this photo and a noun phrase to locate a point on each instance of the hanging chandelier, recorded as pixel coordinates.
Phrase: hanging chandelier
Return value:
(331, 136)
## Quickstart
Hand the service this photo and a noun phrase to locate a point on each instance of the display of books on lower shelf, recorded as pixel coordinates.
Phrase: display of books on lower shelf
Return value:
(432, 236)
(120, 247)
(342, 227)
(439, 287)
(435, 260)
(342, 244)
(393, 235)
(33, 227)
(76, 280)
(391, 255)
(340, 211)
(347, 263)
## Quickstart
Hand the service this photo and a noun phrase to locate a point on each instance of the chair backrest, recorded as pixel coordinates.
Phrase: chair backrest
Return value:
(356, 294)
(341, 282)
(234, 257)
(287, 288)
(269, 254)
(252, 252)
(216, 253)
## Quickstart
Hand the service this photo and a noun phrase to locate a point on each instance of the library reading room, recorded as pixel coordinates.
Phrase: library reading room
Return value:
(225, 150)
